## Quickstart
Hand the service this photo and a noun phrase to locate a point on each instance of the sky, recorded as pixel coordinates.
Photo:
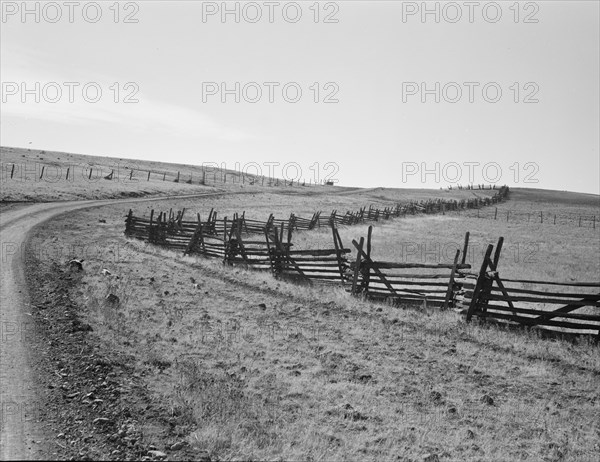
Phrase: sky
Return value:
(379, 93)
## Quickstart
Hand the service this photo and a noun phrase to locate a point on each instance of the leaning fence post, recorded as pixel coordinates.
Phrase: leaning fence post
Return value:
(338, 251)
(497, 252)
(465, 248)
(450, 290)
(479, 283)
(367, 276)
(357, 265)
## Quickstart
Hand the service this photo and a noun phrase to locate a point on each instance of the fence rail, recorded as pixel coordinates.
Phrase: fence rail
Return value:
(513, 301)
(268, 246)
(391, 281)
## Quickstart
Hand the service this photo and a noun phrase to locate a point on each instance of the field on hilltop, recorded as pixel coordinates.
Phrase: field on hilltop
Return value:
(546, 207)
(87, 177)
(234, 364)
(39, 175)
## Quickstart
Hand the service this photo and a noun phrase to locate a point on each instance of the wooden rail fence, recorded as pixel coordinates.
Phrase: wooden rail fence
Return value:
(429, 284)
(268, 246)
(238, 241)
(530, 302)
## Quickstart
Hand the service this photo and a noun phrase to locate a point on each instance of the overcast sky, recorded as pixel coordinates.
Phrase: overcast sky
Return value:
(517, 88)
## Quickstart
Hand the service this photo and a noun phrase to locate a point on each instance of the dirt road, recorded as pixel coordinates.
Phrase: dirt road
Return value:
(21, 435)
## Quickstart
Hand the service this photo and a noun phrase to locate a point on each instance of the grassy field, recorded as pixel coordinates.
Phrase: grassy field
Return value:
(551, 208)
(87, 180)
(267, 370)
(42, 176)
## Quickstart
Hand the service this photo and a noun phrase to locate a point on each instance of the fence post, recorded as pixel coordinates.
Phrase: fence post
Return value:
(496, 213)
(465, 248)
(497, 252)
(367, 275)
(357, 266)
(479, 284)
(450, 290)
(338, 253)
(194, 238)
(272, 253)
(128, 221)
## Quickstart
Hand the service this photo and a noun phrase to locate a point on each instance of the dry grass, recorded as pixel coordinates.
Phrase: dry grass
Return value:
(317, 375)
(547, 208)
(26, 184)
(529, 251)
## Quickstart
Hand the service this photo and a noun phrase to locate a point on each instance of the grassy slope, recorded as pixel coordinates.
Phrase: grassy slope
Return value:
(27, 186)
(537, 205)
(317, 375)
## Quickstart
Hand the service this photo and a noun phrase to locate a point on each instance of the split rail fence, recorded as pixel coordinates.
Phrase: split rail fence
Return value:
(546, 304)
(429, 284)
(263, 246)
(484, 294)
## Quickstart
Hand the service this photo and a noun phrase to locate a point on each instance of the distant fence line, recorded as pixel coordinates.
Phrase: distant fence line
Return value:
(170, 229)
(538, 216)
(204, 175)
